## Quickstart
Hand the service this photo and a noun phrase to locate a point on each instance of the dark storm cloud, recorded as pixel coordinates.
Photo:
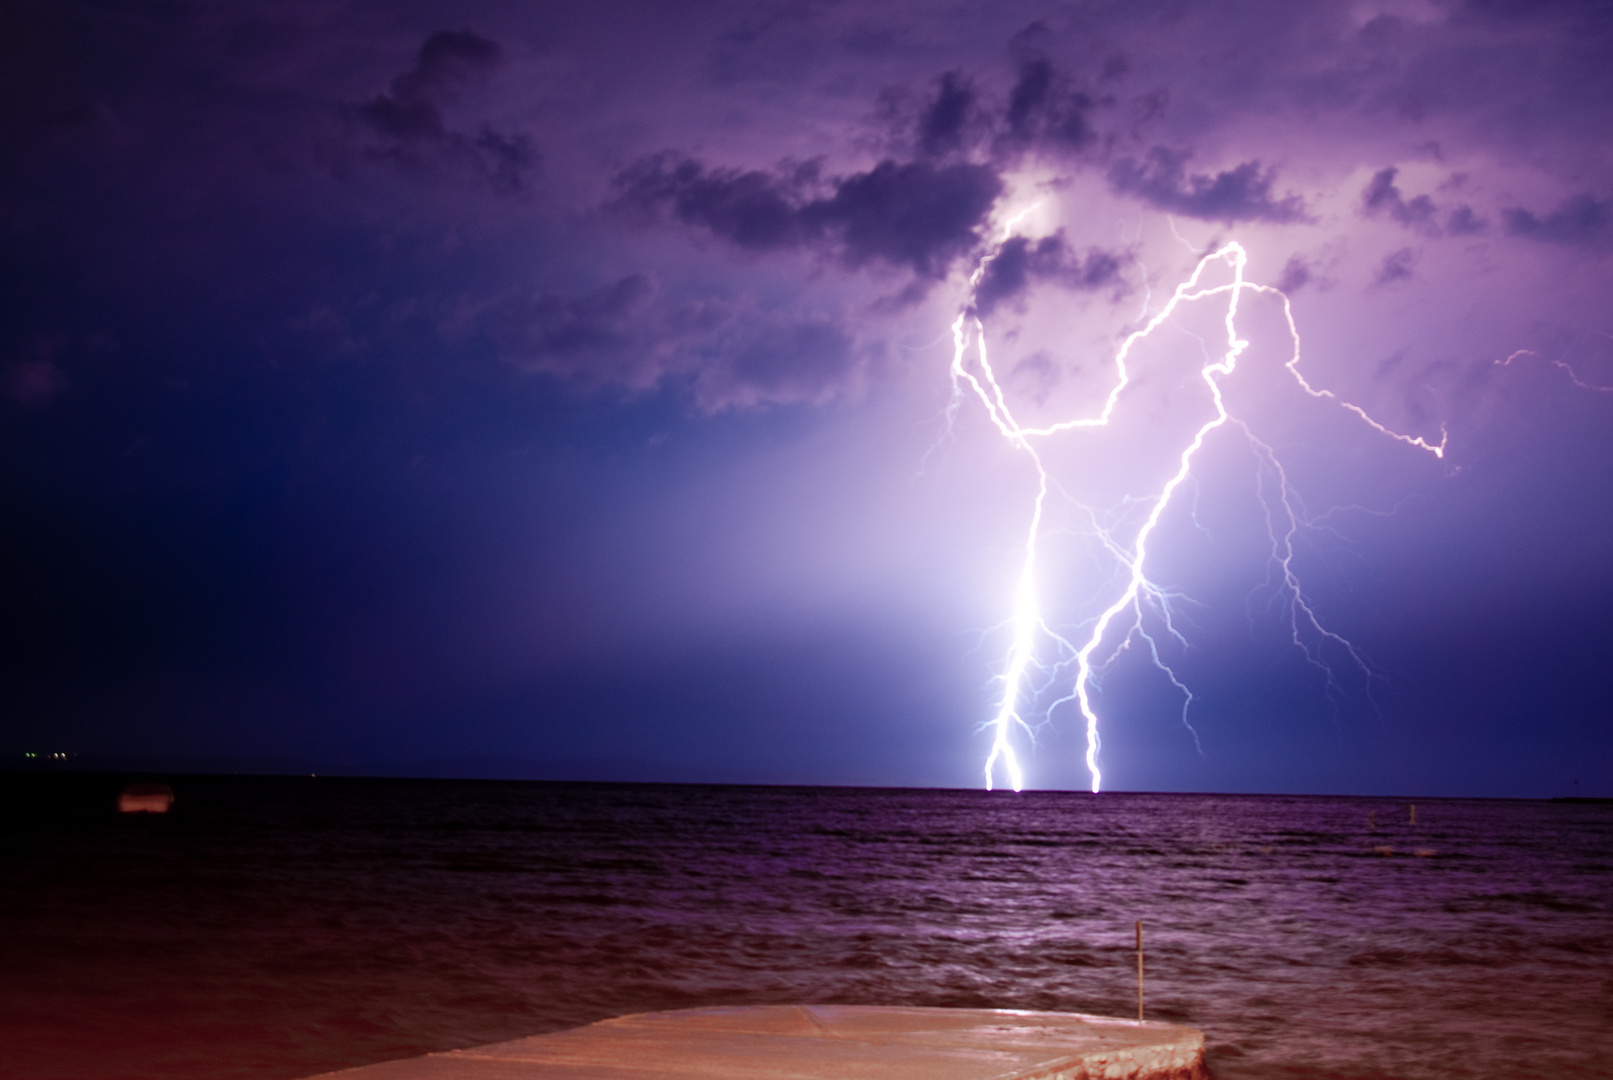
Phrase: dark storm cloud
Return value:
(1382, 196)
(941, 126)
(446, 61)
(1043, 111)
(916, 215)
(1463, 221)
(1242, 193)
(1296, 274)
(754, 210)
(409, 118)
(1581, 220)
(1020, 262)
(1397, 266)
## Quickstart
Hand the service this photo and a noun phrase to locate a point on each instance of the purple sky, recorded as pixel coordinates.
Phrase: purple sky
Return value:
(562, 391)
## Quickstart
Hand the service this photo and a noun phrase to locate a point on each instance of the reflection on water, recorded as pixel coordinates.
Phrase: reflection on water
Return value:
(277, 927)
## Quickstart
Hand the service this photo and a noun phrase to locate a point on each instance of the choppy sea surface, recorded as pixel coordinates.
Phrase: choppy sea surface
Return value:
(271, 928)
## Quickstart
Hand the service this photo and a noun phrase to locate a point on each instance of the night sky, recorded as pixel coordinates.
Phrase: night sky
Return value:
(561, 390)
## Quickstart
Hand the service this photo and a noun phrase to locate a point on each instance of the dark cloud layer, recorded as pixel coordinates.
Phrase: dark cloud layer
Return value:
(448, 59)
(1581, 220)
(1044, 112)
(1382, 196)
(1020, 262)
(917, 215)
(942, 125)
(754, 210)
(1242, 193)
(1396, 266)
(409, 118)
(912, 214)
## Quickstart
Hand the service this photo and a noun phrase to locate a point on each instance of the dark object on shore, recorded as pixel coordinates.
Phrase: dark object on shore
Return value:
(146, 799)
(1583, 799)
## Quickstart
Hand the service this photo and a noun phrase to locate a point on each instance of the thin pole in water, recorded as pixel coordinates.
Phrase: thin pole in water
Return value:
(1139, 971)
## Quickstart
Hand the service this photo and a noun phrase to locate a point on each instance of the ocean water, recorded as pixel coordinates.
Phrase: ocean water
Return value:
(271, 928)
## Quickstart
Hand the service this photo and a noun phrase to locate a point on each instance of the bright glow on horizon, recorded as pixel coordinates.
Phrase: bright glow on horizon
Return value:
(971, 371)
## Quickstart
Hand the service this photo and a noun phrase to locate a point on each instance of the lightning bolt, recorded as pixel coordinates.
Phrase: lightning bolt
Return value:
(973, 376)
(1562, 365)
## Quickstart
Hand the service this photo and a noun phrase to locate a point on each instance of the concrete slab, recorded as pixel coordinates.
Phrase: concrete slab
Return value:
(825, 1042)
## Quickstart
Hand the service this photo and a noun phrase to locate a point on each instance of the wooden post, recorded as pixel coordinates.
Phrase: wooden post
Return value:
(1139, 971)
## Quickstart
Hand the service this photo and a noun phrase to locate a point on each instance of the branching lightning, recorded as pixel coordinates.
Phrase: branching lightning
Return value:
(972, 375)
(1561, 365)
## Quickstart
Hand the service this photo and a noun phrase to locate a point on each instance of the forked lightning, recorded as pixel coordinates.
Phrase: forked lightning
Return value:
(972, 373)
